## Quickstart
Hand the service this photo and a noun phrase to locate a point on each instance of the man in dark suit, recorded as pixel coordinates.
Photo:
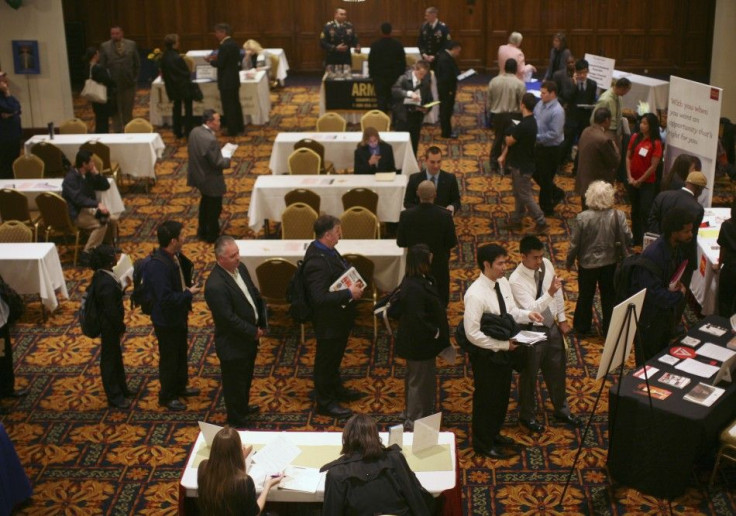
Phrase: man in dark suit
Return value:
(430, 224)
(386, 62)
(120, 57)
(410, 92)
(582, 101)
(448, 193)
(333, 314)
(240, 320)
(204, 172)
(227, 61)
(598, 154)
(447, 72)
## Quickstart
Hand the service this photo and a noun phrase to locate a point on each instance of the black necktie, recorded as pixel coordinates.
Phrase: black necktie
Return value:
(501, 303)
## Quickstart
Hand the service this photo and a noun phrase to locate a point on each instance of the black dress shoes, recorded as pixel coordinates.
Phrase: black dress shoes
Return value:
(494, 452)
(349, 395)
(504, 440)
(189, 392)
(253, 409)
(334, 409)
(569, 420)
(121, 404)
(531, 425)
(174, 405)
(17, 393)
(131, 393)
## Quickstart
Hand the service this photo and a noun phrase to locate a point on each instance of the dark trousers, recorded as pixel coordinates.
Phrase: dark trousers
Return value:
(383, 93)
(549, 357)
(237, 376)
(492, 382)
(232, 111)
(447, 106)
(547, 160)
(501, 122)
(419, 388)
(7, 378)
(111, 367)
(641, 200)
(9, 152)
(327, 381)
(412, 124)
(209, 218)
(102, 117)
(587, 281)
(172, 362)
(441, 271)
(655, 331)
(176, 117)
(726, 290)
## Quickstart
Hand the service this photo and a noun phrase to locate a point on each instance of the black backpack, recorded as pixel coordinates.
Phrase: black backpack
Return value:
(142, 295)
(296, 294)
(89, 311)
(624, 271)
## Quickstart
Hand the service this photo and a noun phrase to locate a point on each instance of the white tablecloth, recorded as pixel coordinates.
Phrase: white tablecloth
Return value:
(385, 254)
(267, 199)
(340, 148)
(34, 269)
(135, 153)
(704, 283)
(281, 71)
(254, 99)
(32, 187)
(647, 89)
(433, 481)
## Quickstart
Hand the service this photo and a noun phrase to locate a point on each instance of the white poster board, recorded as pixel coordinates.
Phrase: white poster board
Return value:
(600, 69)
(609, 359)
(693, 117)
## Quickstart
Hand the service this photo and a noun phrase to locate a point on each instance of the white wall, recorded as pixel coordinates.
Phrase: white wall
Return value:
(46, 97)
(722, 69)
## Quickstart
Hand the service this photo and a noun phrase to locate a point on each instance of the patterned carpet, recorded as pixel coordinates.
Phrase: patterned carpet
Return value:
(83, 458)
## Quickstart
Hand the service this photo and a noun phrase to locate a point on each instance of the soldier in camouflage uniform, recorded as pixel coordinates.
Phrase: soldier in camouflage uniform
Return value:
(337, 38)
(433, 36)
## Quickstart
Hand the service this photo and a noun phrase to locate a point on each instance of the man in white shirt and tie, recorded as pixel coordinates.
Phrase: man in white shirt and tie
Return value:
(410, 93)
(536, 287)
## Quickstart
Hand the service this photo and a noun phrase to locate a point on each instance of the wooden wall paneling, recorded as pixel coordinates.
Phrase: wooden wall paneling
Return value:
(194, 27)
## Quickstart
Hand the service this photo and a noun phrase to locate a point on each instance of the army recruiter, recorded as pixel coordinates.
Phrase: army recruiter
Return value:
(337, 38)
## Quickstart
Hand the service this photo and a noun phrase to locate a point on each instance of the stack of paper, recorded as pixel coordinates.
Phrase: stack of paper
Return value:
(529, 337)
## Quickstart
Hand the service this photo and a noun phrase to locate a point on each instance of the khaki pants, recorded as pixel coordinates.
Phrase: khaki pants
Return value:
(99, 232)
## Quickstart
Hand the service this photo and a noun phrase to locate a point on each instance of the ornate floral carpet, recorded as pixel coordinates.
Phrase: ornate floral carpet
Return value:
(84, 458)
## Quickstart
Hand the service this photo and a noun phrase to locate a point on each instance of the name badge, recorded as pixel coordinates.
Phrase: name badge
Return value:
(643, 152)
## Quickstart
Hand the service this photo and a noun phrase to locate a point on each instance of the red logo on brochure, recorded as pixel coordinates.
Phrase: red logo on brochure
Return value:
(715, 93)
(703, 265)
(682, 352)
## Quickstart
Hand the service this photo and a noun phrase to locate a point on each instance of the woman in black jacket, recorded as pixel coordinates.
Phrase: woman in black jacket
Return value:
(178, 84)
(108, 293)
(373, 154)
(423, 332)
(100, 74)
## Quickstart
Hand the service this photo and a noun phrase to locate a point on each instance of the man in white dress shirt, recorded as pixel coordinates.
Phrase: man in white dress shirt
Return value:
(536, 287)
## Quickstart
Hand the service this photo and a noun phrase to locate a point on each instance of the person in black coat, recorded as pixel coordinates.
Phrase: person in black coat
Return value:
(10, 130)
(447, 72)
(108, 294)
(410, 92)
(240, 320)
(430, 224)
(178, 83)
(448, 193)
(386, 62)
(227, 61)
(100, 74)
(11, 308)
(423, 332)
(373, 154)
(333, 314)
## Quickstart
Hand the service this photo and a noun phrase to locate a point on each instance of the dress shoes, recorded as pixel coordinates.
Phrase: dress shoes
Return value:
(174, 405)
(569, 420)
(349, 395)
(131, 393)
(253, 409)
(452, 136)
(189, 392)
(494, 452)
(541, 228)
(4, 411)
(121, 404)
(504, 440)
(17, 393)
(334, 409)
(531, 425)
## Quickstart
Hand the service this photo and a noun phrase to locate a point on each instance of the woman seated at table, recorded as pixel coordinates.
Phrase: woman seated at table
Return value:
(255, 57)
(373, 154)
(224, 486)
(370, 479)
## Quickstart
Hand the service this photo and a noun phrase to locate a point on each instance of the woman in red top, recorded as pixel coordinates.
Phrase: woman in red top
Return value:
(642, 159)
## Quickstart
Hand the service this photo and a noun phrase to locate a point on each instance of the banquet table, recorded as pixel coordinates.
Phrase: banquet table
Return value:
(254, 99)
(135, 153)
(267, 198)
(704, 283)
(32, 187)
(34, 269)
(412, 55)
(340, 148)
(281, 72)
(648, 89)
(387, 257)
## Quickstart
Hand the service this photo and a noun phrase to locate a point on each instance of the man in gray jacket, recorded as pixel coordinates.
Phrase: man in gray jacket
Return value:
(206, 164)
(120, 56)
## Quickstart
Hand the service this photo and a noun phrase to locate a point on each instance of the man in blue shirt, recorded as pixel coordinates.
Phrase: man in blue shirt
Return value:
(550, 119)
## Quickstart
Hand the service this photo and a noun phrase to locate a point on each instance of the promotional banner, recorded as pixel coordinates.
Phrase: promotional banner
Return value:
(600, 69)
(692, 127)
(355, 94)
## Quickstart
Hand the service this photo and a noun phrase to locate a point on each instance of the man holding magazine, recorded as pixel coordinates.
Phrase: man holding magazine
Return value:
(333, 314)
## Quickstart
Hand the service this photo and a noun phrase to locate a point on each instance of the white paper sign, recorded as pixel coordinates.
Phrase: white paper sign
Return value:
(600, 69)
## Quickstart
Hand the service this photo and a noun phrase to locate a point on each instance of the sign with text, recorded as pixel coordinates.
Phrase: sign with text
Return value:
(600, 69)
(350, 94)
(692, 126)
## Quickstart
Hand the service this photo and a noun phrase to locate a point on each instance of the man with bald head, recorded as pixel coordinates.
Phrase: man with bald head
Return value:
(430, 224)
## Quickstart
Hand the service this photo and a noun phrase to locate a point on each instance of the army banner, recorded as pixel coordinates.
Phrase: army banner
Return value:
(355, 94)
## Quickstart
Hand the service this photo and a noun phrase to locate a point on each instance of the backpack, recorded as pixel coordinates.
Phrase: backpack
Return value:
(142, 295)
(296, 294)
(89, 312)
(624, 271)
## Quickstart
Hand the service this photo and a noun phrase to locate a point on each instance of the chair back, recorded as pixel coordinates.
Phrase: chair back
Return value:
(360, 197)
(379, 120)
(73, 126)
(331, 123)
(304, 161)
(356, 62)
(14, 206)
(305, 196)
(274, 70)
(311, 144)
(273, 279)
(52, 157)
(359, 223)
(138, 125)
(297, 222)
(14, 231)
(55, 214)
(28, 167)
(190, 62)
(101, 151)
